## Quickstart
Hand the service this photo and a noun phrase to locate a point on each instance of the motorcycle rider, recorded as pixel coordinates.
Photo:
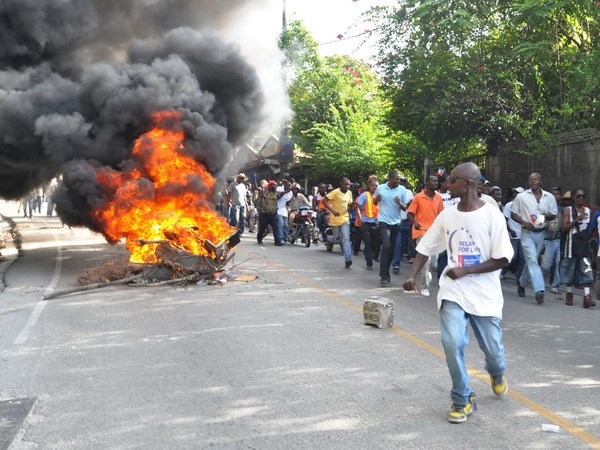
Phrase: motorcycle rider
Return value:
(298, 199)
(366, 217)
(320, 208)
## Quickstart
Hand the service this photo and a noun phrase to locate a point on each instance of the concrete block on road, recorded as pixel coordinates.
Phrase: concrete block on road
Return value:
(378, 311)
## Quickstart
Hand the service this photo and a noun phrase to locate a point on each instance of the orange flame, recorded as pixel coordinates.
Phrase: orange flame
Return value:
(167, 195)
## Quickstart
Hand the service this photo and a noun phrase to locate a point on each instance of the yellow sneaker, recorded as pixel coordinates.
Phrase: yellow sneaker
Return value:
(459, 413)
(499, 385)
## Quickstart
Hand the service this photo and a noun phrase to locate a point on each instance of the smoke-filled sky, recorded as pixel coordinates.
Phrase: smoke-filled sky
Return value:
(80, 79)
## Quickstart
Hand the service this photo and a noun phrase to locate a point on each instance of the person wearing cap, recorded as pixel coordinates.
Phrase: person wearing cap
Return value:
(517, 263)
(236, 200)
(532, 210)
(487, 187)
(298, 199)
(481, 191)
(267, 212)
(551, 256)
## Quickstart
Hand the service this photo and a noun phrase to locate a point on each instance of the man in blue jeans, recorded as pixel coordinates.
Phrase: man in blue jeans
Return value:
(390, 198)
(532, 210)
(474, 235)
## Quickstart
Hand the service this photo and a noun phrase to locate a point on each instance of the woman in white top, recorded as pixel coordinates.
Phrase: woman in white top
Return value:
(575, 265)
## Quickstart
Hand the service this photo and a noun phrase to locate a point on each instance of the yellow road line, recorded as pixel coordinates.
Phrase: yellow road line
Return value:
(556, 419)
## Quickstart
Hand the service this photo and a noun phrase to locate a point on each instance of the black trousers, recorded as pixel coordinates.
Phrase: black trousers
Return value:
(370, 236)
(264, 220)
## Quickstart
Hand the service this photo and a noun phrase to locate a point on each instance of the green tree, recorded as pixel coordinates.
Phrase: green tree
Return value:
(338, 113)
(465, 74)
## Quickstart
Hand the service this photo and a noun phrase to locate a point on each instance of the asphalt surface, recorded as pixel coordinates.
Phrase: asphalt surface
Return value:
(282, 361)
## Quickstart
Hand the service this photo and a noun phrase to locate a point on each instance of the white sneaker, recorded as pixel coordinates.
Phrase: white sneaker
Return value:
(425, 292)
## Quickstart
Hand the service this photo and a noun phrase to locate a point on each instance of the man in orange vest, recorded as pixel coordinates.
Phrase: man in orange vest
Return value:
(366, 218)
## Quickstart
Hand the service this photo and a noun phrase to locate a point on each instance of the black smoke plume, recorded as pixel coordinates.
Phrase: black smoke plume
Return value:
(80, 80)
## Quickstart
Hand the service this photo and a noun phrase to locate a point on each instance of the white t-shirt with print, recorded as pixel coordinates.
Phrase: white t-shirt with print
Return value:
(448, 200)
(282, 201)
(470, 238)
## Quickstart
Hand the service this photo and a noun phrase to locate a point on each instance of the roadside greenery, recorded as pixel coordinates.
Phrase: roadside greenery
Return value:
(339, 114)
(463, 74)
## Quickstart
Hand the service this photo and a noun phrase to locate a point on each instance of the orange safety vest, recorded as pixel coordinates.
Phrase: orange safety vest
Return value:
(371, 208)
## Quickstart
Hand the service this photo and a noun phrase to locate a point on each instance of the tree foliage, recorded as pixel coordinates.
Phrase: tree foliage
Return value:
(463, 73)
(338, 113)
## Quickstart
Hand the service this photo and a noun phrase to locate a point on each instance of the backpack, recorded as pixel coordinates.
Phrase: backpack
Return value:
(268, 203)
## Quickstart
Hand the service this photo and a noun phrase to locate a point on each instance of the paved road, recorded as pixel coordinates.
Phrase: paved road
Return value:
(283, 361)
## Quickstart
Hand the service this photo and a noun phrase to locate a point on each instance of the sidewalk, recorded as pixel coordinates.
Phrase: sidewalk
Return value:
(9, 231)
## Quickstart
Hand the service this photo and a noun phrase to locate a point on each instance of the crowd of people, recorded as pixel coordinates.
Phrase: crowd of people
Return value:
(553, 232)
(35, 200)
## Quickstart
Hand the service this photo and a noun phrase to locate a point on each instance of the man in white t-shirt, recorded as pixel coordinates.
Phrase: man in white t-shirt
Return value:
(517, 263)
(284, 195)
(474, 235)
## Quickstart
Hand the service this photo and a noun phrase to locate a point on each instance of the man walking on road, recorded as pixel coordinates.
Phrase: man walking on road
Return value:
(366, 217)
(532, 210)
(338, 202)
(422, 211)
(390, 198)
(475, 237)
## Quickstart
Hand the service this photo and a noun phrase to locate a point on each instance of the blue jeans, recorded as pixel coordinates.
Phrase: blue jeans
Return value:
(398, 248)
(237, 217)
(282, 228)
(455, 339)
(388, 234)
(576, 271)
(341, 234)
(551, 260)
(532, 243)
(517, 263)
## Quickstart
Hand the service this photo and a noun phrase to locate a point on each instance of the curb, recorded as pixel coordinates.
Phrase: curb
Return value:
(12, 251)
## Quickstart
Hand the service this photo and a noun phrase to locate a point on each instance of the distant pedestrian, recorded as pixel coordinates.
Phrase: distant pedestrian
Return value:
(366, 216)
(517, 262)
(475, 237)
(422, 211)
(267, 212)
(551, 256)
(338, 202)
(532, 210)
(390, 198)
(576, 261)
(284, 195)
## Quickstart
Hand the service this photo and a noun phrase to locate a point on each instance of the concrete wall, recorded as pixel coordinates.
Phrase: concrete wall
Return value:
(573, 162)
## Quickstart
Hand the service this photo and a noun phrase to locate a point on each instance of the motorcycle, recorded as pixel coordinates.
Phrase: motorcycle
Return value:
(302, 227)
(330, 239)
